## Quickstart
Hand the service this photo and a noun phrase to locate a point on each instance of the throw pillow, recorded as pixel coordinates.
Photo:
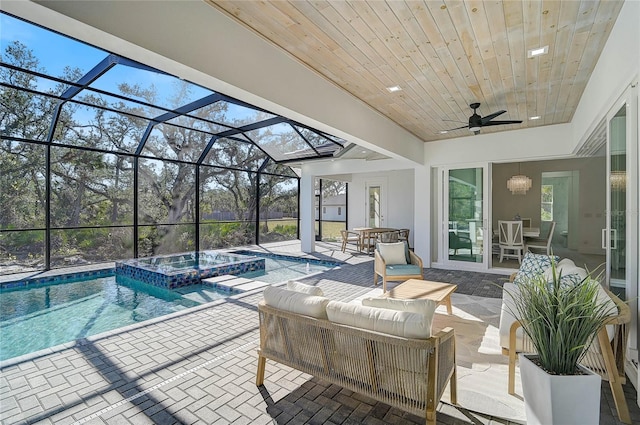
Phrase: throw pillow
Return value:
(296, 286)
(533, 265)
(425, 307)
(296, 302)
(392, 253)
(570, 274)
(399, 323)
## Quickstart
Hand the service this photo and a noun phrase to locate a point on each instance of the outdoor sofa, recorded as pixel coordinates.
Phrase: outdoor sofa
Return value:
(384, 353)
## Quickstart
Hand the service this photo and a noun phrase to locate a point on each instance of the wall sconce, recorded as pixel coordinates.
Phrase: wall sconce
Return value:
(519, 184)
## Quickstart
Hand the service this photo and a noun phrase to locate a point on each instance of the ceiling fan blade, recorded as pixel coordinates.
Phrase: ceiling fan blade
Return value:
(489, 117)
(458, 128)
(501, 123)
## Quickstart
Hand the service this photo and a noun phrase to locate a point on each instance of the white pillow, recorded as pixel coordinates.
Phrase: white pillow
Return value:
(392, 253)
(571, 274)
(399, 323)
(296, 302)
(294, 285)
(425, 307)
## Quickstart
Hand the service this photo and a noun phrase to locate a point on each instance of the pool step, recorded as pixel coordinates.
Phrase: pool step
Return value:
(233, 283)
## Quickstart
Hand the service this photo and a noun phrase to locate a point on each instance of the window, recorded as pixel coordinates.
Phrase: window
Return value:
(546, 202)
(324, 210)
(339, 210)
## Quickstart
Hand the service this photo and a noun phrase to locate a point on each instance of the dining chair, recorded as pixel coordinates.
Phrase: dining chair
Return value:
(403, 235)
(542, 243)
(349, 236)
(510, 239)
(526, 222)
(388, 236)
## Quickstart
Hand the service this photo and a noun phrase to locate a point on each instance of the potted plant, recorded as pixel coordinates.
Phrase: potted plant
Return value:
(561, 319)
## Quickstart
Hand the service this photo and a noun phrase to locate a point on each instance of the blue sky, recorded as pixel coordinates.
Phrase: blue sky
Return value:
(56, 51)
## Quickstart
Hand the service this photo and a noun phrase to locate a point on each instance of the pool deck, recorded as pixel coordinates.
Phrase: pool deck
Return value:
(199, 366)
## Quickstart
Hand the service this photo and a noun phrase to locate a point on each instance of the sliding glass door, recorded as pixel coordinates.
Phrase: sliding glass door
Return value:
(617, 197)
(620, 235)
(464, 225)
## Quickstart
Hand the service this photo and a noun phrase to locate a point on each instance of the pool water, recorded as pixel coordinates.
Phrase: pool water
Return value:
(280, 270)
(35, 318)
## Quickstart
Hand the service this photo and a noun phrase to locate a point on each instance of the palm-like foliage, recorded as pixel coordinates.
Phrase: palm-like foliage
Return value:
(560, 319)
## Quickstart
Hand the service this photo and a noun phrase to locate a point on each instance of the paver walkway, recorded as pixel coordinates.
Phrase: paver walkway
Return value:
(199, 367)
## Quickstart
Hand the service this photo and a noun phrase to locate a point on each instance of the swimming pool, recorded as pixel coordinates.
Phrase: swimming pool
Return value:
(34, 318)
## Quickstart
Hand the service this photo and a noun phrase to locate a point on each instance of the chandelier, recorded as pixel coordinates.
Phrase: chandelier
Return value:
(618, 180)
(519, 184)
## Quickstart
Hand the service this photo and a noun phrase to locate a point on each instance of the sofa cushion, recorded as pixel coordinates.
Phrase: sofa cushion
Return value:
(425, 307)
(533, 265)
(296, 302)
(294, 285)
(399, 323)
(403, 270)
(393, 253)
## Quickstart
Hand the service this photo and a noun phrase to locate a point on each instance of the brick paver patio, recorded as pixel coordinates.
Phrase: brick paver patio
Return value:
(199, 367)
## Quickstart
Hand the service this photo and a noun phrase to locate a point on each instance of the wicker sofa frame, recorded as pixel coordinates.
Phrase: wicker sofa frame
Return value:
(410, 374)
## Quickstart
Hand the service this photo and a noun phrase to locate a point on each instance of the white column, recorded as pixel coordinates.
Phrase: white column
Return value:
(422, 214)
(307, 212)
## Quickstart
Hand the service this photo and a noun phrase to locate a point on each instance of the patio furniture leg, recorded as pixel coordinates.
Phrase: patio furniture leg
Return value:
(614, 377)
(512, 358)
(262, 361)
(448, 303)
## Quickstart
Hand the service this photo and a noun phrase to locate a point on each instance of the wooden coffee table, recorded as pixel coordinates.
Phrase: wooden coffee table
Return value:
(424, 289)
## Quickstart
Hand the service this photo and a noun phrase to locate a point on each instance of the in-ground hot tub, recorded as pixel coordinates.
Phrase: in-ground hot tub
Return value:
(177, 270)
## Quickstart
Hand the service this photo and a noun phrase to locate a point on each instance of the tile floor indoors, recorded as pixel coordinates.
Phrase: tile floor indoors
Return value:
(199, 366)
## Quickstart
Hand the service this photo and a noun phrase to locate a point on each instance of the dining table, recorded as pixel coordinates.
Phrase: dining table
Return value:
(367, 234)
(531, 232)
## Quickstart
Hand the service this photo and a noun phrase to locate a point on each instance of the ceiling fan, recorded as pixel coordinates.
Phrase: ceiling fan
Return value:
(476, 122)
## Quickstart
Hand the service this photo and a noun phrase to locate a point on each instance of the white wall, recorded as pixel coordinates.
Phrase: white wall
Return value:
(399, 199)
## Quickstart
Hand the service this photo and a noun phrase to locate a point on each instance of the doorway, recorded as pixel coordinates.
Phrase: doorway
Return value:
(466, 243)
(376, 204)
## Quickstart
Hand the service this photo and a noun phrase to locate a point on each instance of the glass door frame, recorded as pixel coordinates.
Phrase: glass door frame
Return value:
(628, 100)
(443, 219)
(382, 185)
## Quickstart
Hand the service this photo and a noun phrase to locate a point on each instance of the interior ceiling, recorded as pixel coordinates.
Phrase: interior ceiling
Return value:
(443, 54)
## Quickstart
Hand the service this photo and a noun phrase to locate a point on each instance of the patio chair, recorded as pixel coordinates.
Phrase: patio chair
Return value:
(457, 242)
(395, 262)
(541, 243)
(510, 239)
(403, 235)
(350, 237)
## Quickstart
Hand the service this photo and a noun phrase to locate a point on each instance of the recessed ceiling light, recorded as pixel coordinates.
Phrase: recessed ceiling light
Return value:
(537, 117)
(363, 151)
(443, 131)
(537, 52)
(393, 89)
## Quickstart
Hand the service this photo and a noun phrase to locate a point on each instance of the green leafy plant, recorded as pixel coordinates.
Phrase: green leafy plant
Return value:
(561, 319)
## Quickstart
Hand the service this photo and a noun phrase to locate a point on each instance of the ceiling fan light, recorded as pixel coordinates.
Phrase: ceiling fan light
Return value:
(474, 128)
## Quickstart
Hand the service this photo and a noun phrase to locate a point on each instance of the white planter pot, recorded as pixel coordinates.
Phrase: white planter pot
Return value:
(554, 399)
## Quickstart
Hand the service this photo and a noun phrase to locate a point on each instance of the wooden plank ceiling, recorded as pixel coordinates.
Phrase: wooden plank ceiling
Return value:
(443, 54)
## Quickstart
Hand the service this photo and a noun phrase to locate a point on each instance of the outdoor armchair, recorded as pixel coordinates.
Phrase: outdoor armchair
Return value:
(395, 262)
